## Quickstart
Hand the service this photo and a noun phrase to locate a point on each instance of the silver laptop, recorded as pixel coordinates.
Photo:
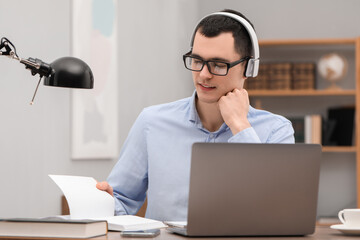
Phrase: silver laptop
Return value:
(252, 189)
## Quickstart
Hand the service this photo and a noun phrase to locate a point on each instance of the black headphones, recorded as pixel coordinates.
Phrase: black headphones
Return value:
(252, 66)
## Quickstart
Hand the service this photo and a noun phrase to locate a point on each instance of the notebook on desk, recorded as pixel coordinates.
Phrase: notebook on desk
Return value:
(252, 190)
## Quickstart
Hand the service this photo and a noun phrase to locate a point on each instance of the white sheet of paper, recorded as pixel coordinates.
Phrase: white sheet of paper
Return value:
(81, 194)
(180, 224)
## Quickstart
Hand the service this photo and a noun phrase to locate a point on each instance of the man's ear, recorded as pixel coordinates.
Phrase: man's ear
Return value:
(245, 68)
(243, 82)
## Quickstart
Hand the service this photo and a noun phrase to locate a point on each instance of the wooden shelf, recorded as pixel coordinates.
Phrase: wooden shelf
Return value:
(339, 149)
(327, 221)
(289, 42)
(289, 93)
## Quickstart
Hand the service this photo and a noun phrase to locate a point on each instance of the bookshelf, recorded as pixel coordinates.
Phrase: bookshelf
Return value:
(339, 149)
(293, 93)
(287, 50)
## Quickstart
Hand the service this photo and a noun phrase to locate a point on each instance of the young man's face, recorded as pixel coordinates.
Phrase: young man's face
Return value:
(210, 87)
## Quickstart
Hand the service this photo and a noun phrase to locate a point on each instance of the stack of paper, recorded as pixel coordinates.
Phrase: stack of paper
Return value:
(87, 202)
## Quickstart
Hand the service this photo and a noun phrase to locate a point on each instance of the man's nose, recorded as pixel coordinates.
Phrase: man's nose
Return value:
(205, 72)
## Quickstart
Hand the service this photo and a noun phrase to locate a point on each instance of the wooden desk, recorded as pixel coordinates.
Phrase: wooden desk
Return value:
(321, 233)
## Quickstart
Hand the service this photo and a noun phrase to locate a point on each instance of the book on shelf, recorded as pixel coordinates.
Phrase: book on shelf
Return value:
(279, 76)
(339, 126)
(298, 124)
(303, 76)
(52, 228)
(283, 76)
(87, 202)
(307, 129)
(313, 129)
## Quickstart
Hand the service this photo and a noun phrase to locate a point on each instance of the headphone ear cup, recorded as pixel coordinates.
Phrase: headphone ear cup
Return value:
(252, 67)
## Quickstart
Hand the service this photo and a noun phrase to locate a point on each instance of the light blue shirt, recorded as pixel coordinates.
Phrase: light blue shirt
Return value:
(155, 158)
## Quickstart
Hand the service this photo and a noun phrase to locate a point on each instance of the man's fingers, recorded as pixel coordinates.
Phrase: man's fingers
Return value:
(104, 186)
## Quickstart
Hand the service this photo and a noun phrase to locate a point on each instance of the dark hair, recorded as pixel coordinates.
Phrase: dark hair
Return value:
(213, 26)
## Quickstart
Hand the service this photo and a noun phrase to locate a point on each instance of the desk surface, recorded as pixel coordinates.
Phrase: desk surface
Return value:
(322, 232)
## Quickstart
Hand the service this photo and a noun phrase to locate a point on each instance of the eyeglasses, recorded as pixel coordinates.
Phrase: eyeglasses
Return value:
(218, 68)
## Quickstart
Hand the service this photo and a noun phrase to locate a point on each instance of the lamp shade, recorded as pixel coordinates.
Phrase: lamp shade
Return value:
(70, 72)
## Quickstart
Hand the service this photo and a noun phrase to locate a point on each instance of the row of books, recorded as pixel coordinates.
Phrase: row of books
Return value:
(336, 130)
(283, 76)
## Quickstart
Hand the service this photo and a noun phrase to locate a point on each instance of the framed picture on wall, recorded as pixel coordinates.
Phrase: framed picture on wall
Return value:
(94, 113)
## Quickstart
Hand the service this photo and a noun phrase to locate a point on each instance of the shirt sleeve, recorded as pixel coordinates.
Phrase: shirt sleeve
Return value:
(283, 134)
(129, 175)
(248, 135)
(280, 133)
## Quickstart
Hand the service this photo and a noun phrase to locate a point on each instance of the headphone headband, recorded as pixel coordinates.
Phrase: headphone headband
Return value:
(253, 63)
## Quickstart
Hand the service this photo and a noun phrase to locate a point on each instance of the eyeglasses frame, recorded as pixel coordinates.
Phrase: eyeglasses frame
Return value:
(229, 65)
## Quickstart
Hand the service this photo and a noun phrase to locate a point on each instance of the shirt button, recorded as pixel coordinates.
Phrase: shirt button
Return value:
(211, 135)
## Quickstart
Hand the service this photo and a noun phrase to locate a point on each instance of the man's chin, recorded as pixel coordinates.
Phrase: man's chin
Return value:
(206, 98)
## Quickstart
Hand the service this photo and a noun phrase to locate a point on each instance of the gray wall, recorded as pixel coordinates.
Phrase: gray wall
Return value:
(35, 140)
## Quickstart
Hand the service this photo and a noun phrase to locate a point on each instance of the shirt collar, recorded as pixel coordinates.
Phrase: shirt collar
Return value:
(193, 115)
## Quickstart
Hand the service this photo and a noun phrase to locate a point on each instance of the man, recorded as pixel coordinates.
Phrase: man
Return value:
(155, 159)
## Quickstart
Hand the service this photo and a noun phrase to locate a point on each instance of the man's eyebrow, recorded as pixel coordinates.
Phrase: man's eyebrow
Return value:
(210, 59)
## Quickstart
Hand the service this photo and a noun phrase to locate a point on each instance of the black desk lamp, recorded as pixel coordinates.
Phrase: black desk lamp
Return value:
(66, 72)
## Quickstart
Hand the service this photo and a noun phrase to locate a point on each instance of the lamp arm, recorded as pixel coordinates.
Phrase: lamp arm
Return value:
(36, 66)
(67, 72)
(8, 49)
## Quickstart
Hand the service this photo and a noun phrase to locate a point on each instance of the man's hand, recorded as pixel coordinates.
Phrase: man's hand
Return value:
(234, 107)
(105, 186)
